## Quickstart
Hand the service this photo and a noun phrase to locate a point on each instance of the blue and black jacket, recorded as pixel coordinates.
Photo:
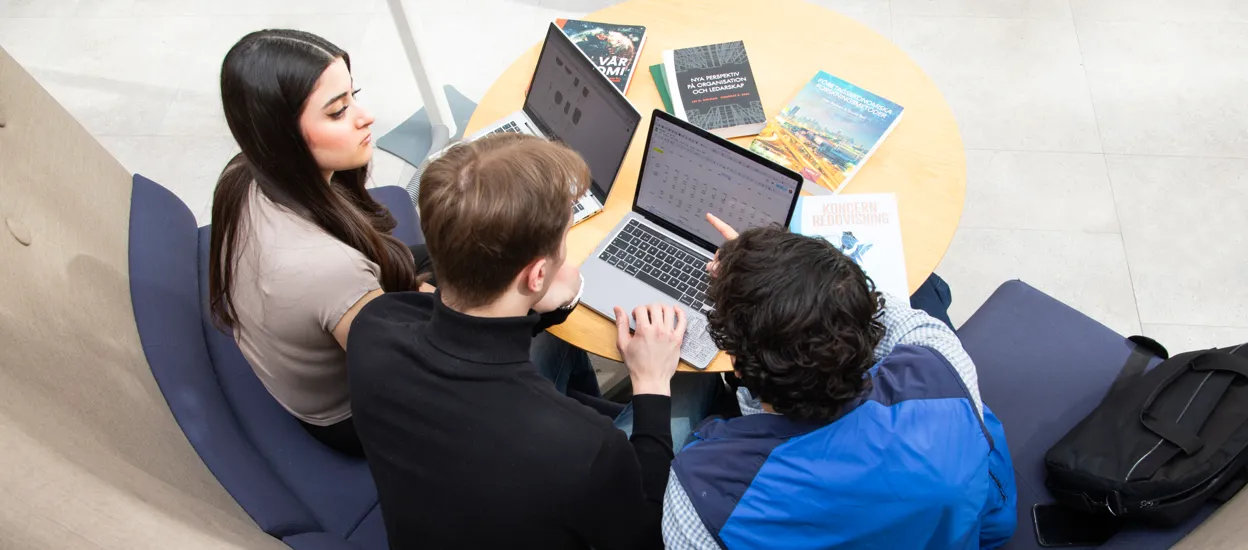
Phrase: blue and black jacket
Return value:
(910, 464)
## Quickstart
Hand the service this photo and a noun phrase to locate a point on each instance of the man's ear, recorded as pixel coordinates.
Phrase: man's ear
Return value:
(535, 275)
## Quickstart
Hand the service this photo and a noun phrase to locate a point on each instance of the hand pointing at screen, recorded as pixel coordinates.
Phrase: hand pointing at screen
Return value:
(724, 229)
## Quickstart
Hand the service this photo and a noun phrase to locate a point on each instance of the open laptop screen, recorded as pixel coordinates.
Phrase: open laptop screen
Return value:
(687, 175)
(574, 103)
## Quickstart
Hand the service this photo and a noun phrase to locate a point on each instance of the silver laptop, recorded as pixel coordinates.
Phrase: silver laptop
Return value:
(570, 101)
(659, 251)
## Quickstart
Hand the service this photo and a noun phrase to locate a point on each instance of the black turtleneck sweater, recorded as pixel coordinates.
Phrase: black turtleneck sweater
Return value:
(471, 448)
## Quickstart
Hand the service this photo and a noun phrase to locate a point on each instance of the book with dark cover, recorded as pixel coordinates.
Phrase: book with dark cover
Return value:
(713, 88)
(614, 49)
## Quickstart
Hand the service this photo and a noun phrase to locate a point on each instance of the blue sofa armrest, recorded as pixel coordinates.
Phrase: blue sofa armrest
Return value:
(399, 203)
(164, 289)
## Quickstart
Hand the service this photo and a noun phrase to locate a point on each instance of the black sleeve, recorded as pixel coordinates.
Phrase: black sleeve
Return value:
(623, 506)
(550, 319)
(652, 441)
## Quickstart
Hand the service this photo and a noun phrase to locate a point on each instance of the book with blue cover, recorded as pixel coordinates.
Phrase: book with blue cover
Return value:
(827, 132)
(864, 227)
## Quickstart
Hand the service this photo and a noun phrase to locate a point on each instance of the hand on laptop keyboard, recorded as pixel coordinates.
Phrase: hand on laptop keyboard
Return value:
(652, 352)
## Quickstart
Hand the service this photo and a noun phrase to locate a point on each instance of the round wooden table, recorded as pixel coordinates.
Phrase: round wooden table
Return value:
(788, 42)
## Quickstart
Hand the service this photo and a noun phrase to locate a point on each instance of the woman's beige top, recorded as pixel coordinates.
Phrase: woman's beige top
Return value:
(292, 284)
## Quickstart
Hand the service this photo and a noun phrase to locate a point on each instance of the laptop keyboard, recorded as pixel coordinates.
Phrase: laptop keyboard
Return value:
(577, 208)
(509, 128)
(661, 262)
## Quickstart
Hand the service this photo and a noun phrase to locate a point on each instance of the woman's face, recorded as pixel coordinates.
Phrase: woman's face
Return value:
(335, 126)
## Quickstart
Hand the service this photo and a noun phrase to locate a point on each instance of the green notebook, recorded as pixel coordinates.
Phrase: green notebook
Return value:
(660, 82)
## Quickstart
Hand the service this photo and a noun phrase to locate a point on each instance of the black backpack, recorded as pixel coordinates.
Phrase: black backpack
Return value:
(1161, 442)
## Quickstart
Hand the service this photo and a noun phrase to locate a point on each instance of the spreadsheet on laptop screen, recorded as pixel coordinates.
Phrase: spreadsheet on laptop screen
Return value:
(686, 176)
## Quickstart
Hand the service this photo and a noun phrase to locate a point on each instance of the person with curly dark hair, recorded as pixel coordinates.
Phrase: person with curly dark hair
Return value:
(861, 426)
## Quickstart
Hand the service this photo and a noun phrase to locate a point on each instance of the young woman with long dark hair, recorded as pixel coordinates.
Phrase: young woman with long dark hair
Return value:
(298, 246)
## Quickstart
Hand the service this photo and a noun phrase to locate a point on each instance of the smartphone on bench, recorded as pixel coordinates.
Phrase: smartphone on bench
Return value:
(1058, 526)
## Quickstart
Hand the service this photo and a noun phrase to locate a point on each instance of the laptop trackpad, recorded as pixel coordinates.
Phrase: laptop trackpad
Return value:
(607, 287)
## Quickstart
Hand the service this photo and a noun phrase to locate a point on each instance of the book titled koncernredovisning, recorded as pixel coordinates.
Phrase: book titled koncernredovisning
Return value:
(828, 132)
(865, 228)
(614, 49)
(713, 88)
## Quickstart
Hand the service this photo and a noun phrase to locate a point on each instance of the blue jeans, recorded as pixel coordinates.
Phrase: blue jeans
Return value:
(934, 297)
(693, 393)
(565, 365)
(569, 369)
